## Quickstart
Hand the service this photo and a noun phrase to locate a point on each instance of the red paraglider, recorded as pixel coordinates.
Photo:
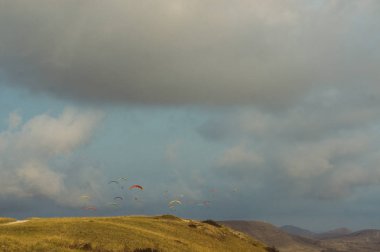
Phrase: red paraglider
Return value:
(136, 186)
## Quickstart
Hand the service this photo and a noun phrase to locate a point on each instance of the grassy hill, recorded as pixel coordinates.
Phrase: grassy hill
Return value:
(130, 233)
(6, 220)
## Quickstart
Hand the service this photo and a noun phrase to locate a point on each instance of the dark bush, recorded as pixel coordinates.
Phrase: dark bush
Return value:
(192, 225)
(81, 246)
(272, 249)
(145, 250)
(168, 217)
(212, 223)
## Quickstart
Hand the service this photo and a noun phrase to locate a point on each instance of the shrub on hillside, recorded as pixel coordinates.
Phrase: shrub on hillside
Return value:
(212, 223)
(272, 249)
(145, 250)
(168, 217)
(192, 225)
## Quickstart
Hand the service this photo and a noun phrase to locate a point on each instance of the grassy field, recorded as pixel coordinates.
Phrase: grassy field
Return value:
(130, 233)
(6, 220)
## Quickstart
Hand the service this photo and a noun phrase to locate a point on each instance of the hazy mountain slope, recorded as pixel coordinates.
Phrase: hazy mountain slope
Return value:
(335, 233)
(274, 236)
(293, 230)
(106, 234)
(337, 240)
(361, 241)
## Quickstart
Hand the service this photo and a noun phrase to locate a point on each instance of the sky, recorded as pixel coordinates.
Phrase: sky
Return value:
(250, 109)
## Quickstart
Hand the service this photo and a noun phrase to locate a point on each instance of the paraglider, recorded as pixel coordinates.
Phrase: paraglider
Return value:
(174, 203)
(136, 186)
(118, 198)
(113, 181)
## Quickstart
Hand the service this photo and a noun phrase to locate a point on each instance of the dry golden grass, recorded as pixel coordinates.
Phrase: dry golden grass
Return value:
(6, 220)
(129, 233)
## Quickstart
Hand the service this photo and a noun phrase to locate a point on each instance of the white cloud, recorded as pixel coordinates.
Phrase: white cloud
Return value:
(27, 153)
(323, 148)
(36, 178)
(171, 151)
(14, 120)
(238, 155)
(313, 159)
(56, 135)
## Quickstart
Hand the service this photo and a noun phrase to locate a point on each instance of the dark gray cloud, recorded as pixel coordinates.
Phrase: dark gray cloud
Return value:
(267, 53)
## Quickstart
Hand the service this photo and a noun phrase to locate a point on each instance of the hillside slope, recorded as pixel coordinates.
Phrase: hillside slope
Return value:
(336, 241)
(130, 233)
(361, 241)
(274, 236)
(293, 230)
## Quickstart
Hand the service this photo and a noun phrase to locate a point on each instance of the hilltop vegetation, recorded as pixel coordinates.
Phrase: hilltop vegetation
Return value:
(130, 233)
(6, 220)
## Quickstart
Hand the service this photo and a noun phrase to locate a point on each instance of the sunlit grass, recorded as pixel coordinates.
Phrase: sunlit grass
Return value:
(130, 233)
(6, 220)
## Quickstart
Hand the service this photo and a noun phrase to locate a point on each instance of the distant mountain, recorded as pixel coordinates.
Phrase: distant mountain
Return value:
(294, 239)
(335, 233)
(274, 236)
(293, 230)
(361, 241)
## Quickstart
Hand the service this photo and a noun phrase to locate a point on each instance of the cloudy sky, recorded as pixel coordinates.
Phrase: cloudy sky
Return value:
(249, 109)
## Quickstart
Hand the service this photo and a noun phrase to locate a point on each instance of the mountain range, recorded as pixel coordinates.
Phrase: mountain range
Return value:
(294, 239)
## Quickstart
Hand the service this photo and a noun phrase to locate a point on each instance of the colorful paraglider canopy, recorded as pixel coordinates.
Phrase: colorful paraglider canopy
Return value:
(136, 186)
